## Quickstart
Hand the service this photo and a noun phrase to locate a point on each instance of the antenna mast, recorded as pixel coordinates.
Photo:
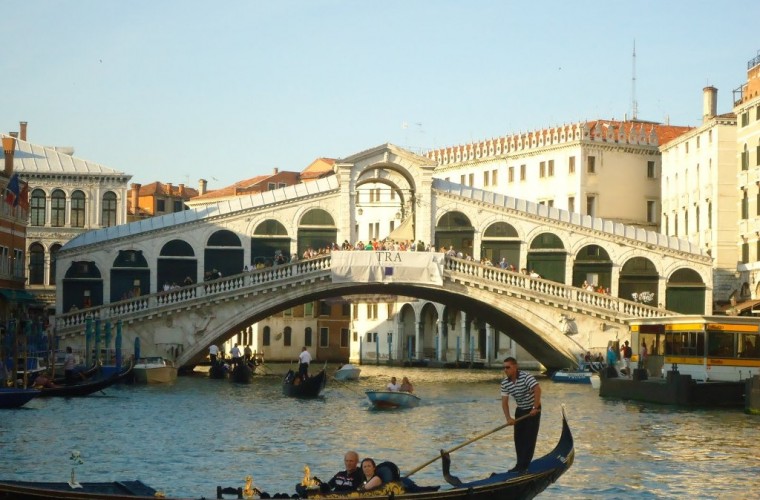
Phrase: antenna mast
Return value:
(634, 104)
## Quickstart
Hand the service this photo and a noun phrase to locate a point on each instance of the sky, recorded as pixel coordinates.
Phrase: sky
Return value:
(179, 90)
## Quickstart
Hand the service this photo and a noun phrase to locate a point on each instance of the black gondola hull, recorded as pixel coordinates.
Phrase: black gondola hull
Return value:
(312, 387)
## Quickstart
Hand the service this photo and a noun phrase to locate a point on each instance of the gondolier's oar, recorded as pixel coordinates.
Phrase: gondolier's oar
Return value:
(481, 436)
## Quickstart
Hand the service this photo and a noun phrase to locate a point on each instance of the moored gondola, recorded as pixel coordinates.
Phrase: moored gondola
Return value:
(311, 387)
(242, 373)
(85, 388)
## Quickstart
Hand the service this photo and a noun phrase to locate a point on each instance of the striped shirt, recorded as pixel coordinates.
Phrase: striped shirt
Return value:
(521, 389)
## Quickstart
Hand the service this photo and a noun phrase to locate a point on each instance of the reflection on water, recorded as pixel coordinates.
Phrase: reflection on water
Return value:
(187, 438)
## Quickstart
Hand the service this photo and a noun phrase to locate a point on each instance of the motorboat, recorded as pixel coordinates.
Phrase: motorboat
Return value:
(154, 370)
(347, 372)
(392, 399)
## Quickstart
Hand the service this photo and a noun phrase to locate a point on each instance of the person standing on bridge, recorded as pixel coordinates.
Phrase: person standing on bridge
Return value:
(303, 363)
(527, 393)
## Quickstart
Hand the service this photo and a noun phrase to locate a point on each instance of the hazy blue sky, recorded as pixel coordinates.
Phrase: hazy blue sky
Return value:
(178, 90)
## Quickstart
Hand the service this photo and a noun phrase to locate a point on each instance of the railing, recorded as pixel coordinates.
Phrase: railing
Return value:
(320, 266)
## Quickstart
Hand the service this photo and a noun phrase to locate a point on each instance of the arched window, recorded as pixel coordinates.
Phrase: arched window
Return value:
(36, 264)
(267, 336)
(58, 208)
(288, 334)
(53, 255)
(77, 209)
(37, 207)
(109, 210)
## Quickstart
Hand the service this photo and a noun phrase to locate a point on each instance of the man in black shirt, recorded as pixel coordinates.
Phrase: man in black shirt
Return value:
(349, 479)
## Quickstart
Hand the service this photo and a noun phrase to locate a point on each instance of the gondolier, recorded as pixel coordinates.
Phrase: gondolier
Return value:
(303, 363)
(527, 393)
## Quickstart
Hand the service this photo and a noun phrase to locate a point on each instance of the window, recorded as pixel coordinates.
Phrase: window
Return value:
(650, 170)
(745, 206)
(77, 209)
(511, 174)
(571, 204)
(389, 310)
(344, 336)
(356, 336)
(745, 158)
(686, 222)
(697, 142)
(355, 312)
(271, 186)
(472, 180)
(324, 337)
(686, 145)
(308, 309)
(160, 205)
(551, 168)
(371, 311)
(307, 336)
(267, 336)
(709, 215)
(324, 308)
(591, 206)
(287, 335)
(288, 312)
(571, 165)
(37, 208)
(109, 209)
(696, 217)
(461, 179)
(345, 309)
(745, 253)
(522, 172)
(542, 169)
(36, 264)
(58, 209)
(494, 178)
(757, 151)
(591, 165)
(178, 206)
(281, 185)
(745, 118)
(651, 213)
(369, 337)
(486, 179)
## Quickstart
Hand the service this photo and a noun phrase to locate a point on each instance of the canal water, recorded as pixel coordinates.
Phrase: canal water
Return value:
(187, 438)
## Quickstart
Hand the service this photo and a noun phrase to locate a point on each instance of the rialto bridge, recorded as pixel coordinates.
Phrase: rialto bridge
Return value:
(117, 274)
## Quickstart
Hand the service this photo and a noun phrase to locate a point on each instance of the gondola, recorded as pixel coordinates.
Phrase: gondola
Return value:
(242, 373)
(541, 473)
(218, 369)
(81, 375)
(16, 398)
(85, 388)
(294, 387)
(116, 490)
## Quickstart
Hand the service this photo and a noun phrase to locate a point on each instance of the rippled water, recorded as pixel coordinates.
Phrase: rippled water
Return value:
(187, 438)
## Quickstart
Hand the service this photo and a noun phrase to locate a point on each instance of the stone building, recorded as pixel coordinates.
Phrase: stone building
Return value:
(156, 199)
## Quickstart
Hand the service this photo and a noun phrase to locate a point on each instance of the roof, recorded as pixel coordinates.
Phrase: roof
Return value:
(163, 189)
(35, 159)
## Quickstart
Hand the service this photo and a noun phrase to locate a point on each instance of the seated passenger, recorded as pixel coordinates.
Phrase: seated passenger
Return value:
(371, 479)
(393, 385)
(346, 480)
(406, 386)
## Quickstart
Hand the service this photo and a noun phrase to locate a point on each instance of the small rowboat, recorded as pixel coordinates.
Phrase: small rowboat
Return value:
(392, 399)
(16, 398)
(347, 372)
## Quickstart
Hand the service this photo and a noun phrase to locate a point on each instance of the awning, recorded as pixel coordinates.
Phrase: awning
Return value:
(747, 308)
(13, 295)
(404, 232)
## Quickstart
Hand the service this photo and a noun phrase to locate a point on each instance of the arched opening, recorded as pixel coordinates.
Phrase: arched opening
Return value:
(223, 255)
(177, 264)
(36, 264)
(501, 241)
(269, 238)
(130, 275)
(639, 281)
(592, 266)
(455, 230)
(316, 230)
(685, 292)
(547, 257)
(82, 286)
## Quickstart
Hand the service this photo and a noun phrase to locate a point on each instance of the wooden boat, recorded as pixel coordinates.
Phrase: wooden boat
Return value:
(242, 373)
(15, 398)
(541, 473)
(218, 370)
(154, 370)
(86, 387)
(347, 372)
(392, 399)
(81, 374)
(116, 490)
(293, 386)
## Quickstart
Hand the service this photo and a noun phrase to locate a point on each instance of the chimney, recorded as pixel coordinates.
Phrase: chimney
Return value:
(276, 171)
(202, 186)
(22, 128)
(182, 191)
(169, 188)
(9, 148)
(135, 198)
(13, 134)
(709, 103)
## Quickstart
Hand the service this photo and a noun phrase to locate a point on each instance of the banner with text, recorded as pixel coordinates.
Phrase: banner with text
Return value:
(387, 267)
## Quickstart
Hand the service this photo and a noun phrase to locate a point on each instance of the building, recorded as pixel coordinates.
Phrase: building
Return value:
(14, 300)
(698, 192)
(156, 199)
(67, 196)
(747, 111)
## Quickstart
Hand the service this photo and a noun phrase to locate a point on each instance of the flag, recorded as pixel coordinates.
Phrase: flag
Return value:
(12, 191)
(23, 198)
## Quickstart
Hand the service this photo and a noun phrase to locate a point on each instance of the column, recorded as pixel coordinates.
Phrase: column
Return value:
(489, 344)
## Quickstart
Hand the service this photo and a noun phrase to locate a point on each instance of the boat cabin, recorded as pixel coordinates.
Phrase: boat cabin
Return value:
(719, 348)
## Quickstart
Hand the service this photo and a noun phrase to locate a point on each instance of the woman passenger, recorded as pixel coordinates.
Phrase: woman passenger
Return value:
(371, 480)
(406, 386)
